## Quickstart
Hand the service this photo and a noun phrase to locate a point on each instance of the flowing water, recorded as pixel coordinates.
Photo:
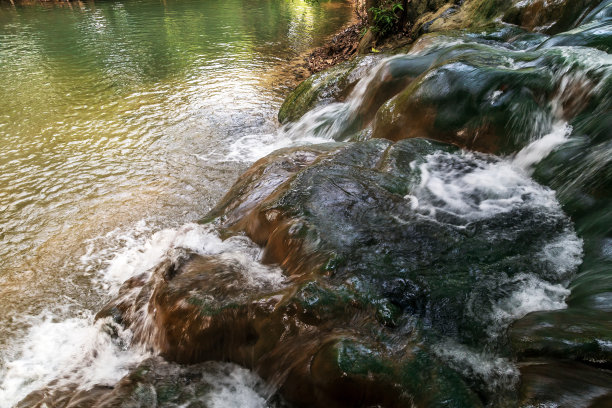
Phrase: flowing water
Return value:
(115, 123)
(125, 122)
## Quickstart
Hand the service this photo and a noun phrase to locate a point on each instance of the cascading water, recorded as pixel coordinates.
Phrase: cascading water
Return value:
(453, 250)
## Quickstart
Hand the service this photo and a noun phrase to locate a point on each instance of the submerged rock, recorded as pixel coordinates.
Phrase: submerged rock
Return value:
(468, 103)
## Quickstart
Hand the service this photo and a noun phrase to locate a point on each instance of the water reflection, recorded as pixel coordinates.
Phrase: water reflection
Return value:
(107, 110)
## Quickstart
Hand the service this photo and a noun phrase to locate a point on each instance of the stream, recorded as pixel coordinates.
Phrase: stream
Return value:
(437, 219)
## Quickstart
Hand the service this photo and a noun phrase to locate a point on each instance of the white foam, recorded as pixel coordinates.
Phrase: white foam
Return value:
(565, 253)
(532, 294)
(169, 245)
(141, 257)
(79, 350)
(495, 371)
(475, 187)
(321, 124)
(72, 351)
(251, 148)
(529, 293)
(235, 386)
(533, 153)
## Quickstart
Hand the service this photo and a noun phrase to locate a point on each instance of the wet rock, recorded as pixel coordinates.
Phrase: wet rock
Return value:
(265, 176)
(467, 90)
(473, 15)
(349, 227)
(69, 396)
(324, 87)
(301, 338)
(342, 121)
(596, 35)
(158, 383)
(533, 15)
(434, 21)
(576, 334)
(593, 31)
(332, 85)
(469, 104)
(565, 384)
(603, 12)
(549, 17)
(472, 94)
(374, 282)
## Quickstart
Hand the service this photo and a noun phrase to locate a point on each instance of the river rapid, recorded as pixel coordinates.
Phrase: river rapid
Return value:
(465, 277)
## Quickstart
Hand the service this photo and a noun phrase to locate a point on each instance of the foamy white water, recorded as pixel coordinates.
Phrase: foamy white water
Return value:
(493, 370)
(474, 186)
(324, 123)
(70, 351)
(533, 294)
(82, 351)
(234, 386)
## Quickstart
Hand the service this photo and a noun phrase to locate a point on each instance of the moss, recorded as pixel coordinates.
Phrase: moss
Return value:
(435, 385)
(326, 85)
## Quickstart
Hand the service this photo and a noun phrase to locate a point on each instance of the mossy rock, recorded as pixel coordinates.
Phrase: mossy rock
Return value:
(323, 87)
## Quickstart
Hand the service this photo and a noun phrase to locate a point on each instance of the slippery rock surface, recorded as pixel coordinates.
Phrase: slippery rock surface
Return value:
(400, 270)
(390, 291)
(494, 91)
(333, 84)
(551, 17)
(565, 384)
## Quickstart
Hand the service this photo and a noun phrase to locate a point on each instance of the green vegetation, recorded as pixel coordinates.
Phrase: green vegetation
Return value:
(385, 18)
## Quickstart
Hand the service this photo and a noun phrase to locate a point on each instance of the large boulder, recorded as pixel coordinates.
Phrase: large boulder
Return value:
(386, 285)
(388, 276)
(473, 103)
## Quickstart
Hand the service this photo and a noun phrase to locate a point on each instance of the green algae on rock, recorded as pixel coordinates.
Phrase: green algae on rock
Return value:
(374, 299)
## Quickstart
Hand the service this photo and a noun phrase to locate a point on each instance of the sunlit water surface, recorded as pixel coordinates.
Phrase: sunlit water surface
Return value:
(119, 119)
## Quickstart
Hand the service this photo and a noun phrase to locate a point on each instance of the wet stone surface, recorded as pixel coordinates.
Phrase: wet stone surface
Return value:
(158, 383)
(400, 270)
(387, 284)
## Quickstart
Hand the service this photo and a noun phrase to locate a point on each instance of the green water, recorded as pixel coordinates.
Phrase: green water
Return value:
(113, 124)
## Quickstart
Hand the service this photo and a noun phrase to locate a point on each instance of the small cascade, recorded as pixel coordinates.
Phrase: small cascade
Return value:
(430, 228)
